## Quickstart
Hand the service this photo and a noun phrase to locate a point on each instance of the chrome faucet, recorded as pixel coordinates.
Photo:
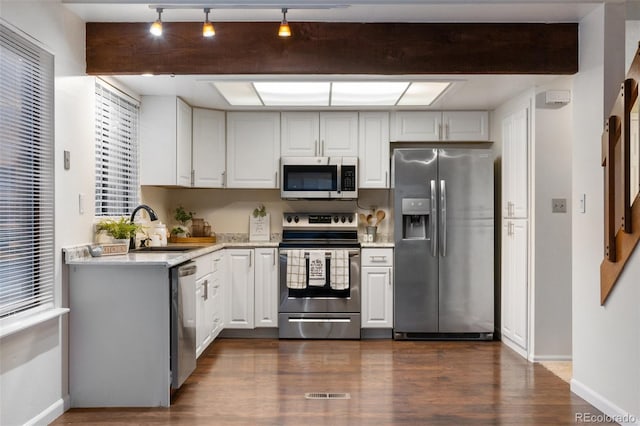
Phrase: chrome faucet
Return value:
(152, 216)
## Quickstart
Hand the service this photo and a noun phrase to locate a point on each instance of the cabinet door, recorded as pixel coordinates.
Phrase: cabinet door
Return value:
(515, 303)
(217, 294)
(266, 285)
(465, 125)
(373, 149)
(300, 134)
(377, 297)
(253, 149)
(183, 144)
(208, 149)
(239, 293)
(201, 328)
(416, 126)
(515, 165)
(339, 134)
(158, 140)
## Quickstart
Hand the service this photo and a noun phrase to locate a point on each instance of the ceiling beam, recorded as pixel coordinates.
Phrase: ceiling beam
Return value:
(333, 48)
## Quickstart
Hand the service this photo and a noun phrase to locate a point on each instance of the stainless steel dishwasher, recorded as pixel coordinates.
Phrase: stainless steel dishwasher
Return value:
(183, 322)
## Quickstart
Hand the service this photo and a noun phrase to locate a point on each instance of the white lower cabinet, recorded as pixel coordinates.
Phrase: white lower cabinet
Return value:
(251, 298)
(515, 281)
(240, 288)
(209, 299)
(377, 288)
(266, 287)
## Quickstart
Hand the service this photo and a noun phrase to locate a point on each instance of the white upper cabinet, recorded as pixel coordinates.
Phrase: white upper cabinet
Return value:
(438, 126)
(415, 126)
(515, 169)
(373, 146)
(326, 134)
(300, 134)
(165, 141)
(208, 149)
(465, 126)
(253, 149)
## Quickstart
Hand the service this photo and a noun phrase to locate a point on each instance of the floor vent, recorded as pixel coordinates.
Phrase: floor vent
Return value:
(324, 395)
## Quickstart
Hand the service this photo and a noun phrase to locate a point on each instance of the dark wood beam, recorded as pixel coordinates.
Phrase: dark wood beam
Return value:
(334, 48)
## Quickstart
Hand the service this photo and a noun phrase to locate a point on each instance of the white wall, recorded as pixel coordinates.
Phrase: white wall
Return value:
(228, 210)
(606, 339)
(33, 366)
(551, 152)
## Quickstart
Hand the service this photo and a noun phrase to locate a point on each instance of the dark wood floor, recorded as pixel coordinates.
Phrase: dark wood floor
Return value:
(247, 382)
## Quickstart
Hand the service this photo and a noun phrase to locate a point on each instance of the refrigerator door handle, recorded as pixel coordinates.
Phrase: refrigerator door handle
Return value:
(443, 218)
(433, 219)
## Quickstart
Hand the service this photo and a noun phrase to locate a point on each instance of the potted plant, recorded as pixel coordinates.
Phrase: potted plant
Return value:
(120, 230)
(182, 217)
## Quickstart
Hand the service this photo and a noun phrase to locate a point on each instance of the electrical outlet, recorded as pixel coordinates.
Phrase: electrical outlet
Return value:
(558, 205)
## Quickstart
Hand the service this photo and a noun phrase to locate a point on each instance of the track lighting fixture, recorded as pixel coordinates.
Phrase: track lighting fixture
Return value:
(207, 27)
(284, 30)
(156, 27)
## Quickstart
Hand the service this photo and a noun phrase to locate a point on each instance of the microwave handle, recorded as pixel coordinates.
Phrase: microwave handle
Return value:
(339, 178)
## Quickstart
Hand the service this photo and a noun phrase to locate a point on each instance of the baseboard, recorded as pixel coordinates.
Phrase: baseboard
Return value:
(51, 413)
(515, 347)
(610, 410)
(546, 358)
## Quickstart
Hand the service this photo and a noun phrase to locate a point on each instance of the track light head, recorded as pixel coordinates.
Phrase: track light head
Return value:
(284, 30)
(156, 27)
(207, 27)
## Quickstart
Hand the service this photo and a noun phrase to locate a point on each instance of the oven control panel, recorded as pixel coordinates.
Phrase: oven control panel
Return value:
(319, 220)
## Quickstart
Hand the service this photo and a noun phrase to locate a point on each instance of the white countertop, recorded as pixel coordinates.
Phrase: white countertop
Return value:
(377, 244)
(166, 259)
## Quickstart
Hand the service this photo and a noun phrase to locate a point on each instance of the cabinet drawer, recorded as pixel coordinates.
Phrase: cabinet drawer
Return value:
(204, 265)
(377, 257)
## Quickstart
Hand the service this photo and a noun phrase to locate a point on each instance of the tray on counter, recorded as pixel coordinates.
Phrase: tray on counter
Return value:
(193, 240)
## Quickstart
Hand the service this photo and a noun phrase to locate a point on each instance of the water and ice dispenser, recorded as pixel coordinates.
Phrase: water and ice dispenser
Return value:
(415, 218)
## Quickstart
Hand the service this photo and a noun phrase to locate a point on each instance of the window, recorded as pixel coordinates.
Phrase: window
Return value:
(26, 175)
(117, 118)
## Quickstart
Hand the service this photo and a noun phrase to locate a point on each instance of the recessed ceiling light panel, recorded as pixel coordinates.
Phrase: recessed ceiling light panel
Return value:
(423, 93)
(299, 93)
(361, 93)
(238, 93)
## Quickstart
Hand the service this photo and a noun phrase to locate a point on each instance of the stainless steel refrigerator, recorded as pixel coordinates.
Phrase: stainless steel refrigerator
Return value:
(444, 243)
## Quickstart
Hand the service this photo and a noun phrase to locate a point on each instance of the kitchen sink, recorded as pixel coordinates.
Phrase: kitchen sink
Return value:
(164, 249)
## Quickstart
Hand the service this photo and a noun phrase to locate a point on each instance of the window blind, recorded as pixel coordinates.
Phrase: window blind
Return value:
(117, 118)
(26, 174)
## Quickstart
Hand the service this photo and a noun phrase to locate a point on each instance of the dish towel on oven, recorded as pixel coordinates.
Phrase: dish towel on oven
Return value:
(296, 270)
(340, 269)
(317, 268)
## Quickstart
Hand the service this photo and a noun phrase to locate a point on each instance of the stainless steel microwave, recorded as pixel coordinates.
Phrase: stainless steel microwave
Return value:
(319, 177)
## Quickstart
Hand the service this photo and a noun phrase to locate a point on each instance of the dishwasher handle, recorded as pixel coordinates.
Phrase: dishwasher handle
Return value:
(187, 269)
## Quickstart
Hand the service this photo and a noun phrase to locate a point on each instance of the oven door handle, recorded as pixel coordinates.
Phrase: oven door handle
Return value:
(320, 320)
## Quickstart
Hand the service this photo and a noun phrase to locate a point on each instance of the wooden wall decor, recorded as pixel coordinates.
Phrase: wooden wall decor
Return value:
(621, 162)
(334, 48)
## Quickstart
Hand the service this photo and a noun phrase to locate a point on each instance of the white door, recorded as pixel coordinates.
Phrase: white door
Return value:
(377, 297)
(515, 165)
(515, 312)
(465, 125)
(253, 149)
(240, 291)
(300, 134)
(416, 126)
(373, 149)
(183, 138)
(208, 148)
(339, 134)
(266, 287)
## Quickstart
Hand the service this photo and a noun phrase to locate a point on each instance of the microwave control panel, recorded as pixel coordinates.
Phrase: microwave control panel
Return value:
(348, 178)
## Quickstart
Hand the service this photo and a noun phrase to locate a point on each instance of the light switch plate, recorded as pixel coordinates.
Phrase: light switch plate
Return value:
(583, 203)
(67, 160)
(558, 205)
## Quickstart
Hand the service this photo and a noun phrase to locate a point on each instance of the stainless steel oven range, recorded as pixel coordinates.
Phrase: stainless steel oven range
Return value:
(319, 276)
